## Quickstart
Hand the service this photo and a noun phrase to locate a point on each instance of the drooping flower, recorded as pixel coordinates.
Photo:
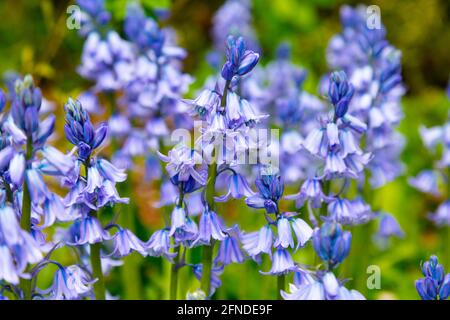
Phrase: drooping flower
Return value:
(216, 271)
(159, 245)
(322, 286)
(256, 243)
(124, 242)
(229, 250)
(70, 283)
(282, 263)
(210, 227)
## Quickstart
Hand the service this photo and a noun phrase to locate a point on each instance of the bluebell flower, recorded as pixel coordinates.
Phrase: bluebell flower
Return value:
(182, 165)
(187, 233)
(89, 230)
(323, 286)
(311, 189)
(340, 92)
(38, 189)
(142, 30)
(303, 232)
(388, 227)
(442, 215)
(373, 67)
(3, 100)
(229, 250)
(436, 284)
(178, 219)
(349, 212)
(109, 61)
(216, 271)
(125, 242)
(96, 11)
(271, 188)
(426, 181)
(159, 245)
(210, 227)
(284, 238)
(70, 283)
(26, 105)
(256, 243)
(239, 60)
(282, 263)
(237, 187)
(17, 169)
(54, 209)
(9, 225)
(80, 131)
(331, 243)
(58, 160)
(207, 102)
(8, 271)
(6, 154)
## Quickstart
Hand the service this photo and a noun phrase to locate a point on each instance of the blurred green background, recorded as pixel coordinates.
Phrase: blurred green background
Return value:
(34, 39)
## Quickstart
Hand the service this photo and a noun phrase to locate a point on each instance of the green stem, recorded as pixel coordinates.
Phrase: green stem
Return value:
(176, 265)
(207, 256)
(96, 262)
(174, 274)
(326, 190)
(281, 285)
(25, 217)
(95, 256)
(207, 253)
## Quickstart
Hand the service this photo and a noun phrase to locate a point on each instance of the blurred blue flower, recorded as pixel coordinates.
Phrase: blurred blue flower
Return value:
(322, 286)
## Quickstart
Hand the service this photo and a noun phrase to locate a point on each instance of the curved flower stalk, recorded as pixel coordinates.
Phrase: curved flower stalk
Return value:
(227, 120)
(373, 67)
(335, 144)
(436, 181)
(276, 238)
(332, 245)
(25, 158)
(184, 166)
(69, 283)
(92, 191)
(436, 284)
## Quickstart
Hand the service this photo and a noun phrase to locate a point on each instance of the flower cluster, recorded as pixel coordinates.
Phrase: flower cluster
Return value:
(429, 181)
(270, 191)
(436, 284)
(335, 143)
(374, 70)
(332, 245)
(28, 206)
(144, 70)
